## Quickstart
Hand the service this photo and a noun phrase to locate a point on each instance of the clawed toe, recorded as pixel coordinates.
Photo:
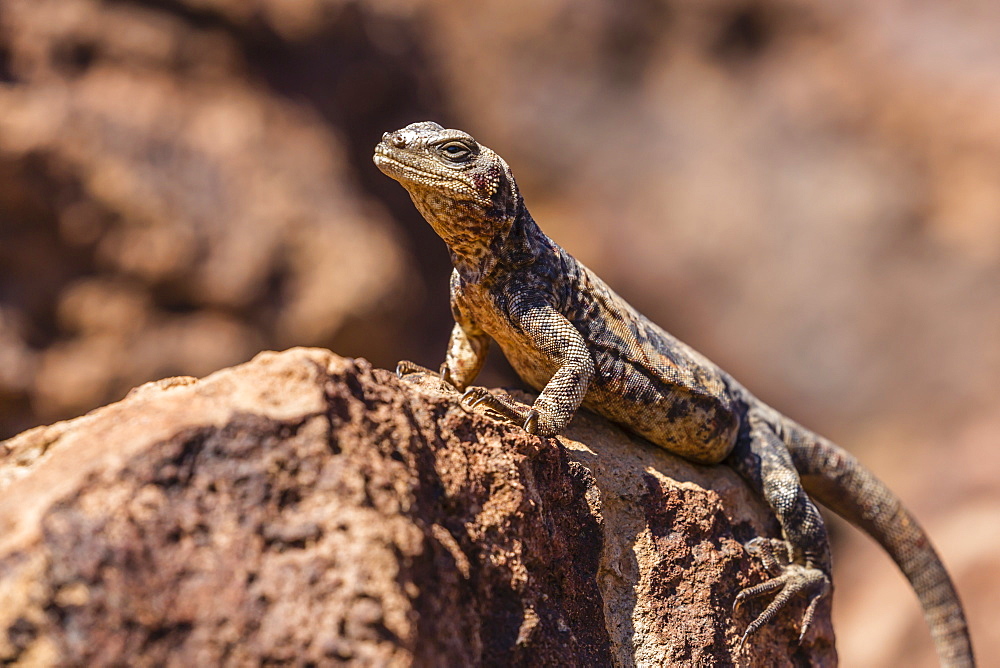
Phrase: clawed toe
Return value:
(531, 422)
(501, 407)
(475, 396)
(480, 397)
(406, 367)
(794, 579)
(772, 552)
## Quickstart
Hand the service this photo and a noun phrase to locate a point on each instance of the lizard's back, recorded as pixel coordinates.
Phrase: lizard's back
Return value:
(645, 379)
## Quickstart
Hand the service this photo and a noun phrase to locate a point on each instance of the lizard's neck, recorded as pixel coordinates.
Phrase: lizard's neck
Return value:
(524, 243)
(485, 234)
(516, 241)
(484, 241)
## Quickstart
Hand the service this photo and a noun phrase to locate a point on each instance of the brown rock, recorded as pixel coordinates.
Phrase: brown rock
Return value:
(307, 508)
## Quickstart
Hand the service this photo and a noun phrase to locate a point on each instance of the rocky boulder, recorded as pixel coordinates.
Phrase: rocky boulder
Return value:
(305, 508)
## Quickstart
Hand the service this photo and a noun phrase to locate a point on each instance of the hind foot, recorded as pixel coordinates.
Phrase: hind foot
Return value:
(790, 579)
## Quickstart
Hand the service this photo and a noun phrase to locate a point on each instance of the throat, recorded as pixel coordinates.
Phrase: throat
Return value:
(482, 239)
(513, 243)
(471, 258)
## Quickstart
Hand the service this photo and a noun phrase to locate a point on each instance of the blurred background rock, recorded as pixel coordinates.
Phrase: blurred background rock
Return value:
(807, 192)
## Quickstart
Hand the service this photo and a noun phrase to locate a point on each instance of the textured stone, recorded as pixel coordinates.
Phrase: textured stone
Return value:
(306, 508)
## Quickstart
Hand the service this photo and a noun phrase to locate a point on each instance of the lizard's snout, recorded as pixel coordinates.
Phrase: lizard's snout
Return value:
(395, 139)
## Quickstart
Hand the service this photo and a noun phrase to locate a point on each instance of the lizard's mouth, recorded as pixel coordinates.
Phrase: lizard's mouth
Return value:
(404, 173)
(390, 166)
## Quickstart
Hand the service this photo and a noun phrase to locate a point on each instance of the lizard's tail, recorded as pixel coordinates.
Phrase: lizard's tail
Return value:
(837, 480)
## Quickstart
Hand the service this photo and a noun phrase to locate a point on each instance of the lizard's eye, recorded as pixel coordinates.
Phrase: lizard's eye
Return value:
(455, 151)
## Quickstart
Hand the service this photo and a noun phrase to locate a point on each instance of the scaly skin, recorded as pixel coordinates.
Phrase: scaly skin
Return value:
(568, 335)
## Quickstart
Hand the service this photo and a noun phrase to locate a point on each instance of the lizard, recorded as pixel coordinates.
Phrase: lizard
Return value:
(572, 338)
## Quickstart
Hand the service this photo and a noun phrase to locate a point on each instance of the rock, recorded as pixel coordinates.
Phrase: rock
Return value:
(307, 508)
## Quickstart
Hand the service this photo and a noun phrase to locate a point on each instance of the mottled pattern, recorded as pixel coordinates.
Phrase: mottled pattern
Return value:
(568, 335)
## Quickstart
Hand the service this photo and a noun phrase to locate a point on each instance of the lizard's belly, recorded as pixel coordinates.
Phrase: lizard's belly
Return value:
(698, 427)
(688, 425)
(531, 365)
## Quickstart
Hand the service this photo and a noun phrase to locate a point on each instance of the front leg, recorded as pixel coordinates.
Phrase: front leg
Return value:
(559, 342)
(466, 353)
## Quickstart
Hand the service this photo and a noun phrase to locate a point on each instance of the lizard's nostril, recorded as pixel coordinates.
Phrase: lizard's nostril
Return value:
(397, 140)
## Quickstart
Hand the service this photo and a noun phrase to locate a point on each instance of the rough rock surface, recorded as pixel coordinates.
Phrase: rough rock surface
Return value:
(305, 508)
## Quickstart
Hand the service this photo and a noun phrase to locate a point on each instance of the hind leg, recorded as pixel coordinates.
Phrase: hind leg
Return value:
(799, 565)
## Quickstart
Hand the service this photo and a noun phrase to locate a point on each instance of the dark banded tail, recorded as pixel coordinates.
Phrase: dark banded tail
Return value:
(837, 480)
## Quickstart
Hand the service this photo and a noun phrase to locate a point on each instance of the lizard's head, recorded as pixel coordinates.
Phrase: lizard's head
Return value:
(463, 189)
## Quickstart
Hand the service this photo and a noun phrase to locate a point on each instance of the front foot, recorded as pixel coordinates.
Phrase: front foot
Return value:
(502, 408)
(406, 367)
(415, 374)
(789, 580)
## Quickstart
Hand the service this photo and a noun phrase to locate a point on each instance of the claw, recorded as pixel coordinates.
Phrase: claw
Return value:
(531, 422)
(480, 396)
(772, 552)
(755, 591)
(474, 396)
(810, 611)
(794, 579)
(406, 367)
